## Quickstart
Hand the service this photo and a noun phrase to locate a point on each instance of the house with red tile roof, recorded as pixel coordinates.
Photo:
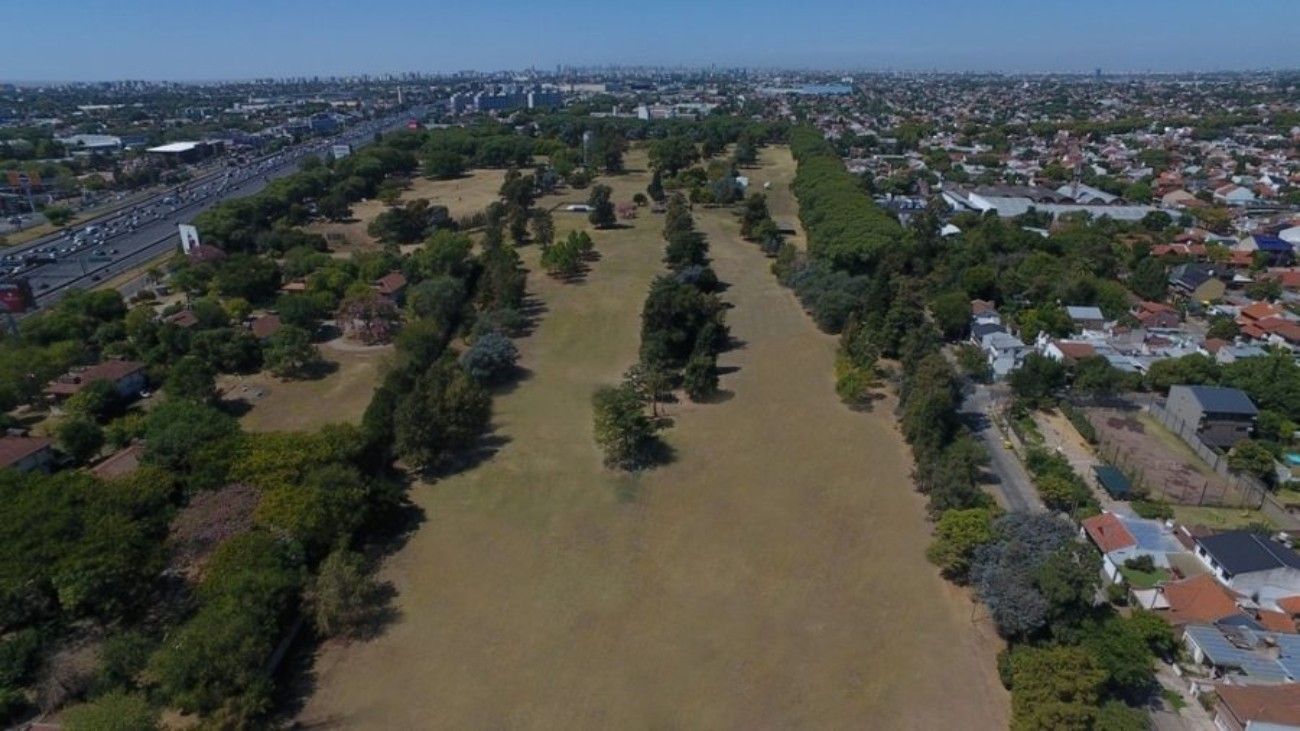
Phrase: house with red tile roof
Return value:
(128, 376)
(1156, 315)
(1242, 707)
(392, 285)
(26, 453)
(265, 326)
(1198, 600)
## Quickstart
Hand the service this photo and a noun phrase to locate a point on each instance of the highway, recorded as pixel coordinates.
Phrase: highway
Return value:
(91, 251)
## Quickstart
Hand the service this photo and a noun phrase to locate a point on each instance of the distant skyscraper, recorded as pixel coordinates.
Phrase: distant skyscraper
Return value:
(1096, 74)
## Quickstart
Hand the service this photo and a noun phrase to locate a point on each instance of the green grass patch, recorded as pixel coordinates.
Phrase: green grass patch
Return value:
(1223, 518)
(1143, 579)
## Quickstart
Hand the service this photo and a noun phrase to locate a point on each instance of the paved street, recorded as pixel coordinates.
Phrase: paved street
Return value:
(1014, 487)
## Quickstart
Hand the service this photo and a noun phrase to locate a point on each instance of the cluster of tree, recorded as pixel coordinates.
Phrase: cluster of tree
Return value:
(447, 153)
(1072, 664)
(686, 246)
(566, 259)
(756, 225)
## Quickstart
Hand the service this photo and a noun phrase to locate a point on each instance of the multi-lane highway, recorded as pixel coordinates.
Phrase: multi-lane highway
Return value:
(93, 250)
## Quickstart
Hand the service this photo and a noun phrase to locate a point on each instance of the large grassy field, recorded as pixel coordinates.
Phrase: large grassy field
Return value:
(773, 576)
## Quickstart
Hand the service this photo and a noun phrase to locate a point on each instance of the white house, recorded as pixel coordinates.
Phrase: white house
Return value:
(1005, 352)
(1251, 564)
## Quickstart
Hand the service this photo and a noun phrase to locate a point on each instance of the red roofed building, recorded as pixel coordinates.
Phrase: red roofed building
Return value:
(392, 285)
(1156, 315)
(1198, 600)
(1108, 533)
(265, 326)
(26, 453)
(1255, 706)
(127, 375)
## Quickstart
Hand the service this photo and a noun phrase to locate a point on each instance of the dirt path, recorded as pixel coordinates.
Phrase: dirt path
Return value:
(772, 577)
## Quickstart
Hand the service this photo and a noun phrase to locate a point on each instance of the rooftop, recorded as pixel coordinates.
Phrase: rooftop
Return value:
(1241, 552)
(15, 449)
(1221, 400)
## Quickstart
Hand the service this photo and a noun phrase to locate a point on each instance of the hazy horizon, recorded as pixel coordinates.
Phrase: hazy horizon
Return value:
(97, 40)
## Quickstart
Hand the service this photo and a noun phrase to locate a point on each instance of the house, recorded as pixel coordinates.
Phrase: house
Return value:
(122, 462)
(980, 328)
(1240, 650)
(1156, 315)
(1179, 199)
(1067, 351)
(1220, 416)
(128, 376)
(1086, 318)
(984, 311)
(1233, 195)
(205, 254)
(1253, 313)
(1277, 251)
(1120, 538)
(265, 326)
(1195, 600)
(1251, 564)
(184, 319)
(1233, 352)
(1005, 352)
(1259, 707)
(26, 453)
(392, 285)
(1197, 282)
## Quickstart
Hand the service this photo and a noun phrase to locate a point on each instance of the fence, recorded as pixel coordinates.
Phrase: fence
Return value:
(1247, 484)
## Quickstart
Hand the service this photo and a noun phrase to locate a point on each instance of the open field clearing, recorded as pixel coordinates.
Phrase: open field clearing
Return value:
(772, 577)
(340, 396)
(462, 196)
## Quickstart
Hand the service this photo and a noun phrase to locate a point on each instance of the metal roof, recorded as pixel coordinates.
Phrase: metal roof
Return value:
(1241, 552)
(1113, 480)
(1221, 400)
(1222, 652)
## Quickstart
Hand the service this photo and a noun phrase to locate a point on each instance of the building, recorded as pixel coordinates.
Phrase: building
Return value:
(392, 285)
(120, 463)
(1005, 352)
(1086, 318)
(1221, 417)
(26, 453)
(1257, 707)
(1251, 564)
(127, 376)
(187, 152)
(1120, 538)
(1233, 195)
(1156, 315)
(1197, 282)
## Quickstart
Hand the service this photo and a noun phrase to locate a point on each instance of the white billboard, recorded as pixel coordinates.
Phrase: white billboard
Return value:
(342, 151)
(189, 237)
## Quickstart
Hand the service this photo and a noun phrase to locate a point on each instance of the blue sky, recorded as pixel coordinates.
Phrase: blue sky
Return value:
(235, 39)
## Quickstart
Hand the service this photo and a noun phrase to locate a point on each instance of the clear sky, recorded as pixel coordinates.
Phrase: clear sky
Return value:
(237, 39)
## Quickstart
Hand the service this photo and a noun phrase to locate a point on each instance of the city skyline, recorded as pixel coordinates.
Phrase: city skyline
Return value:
(244, 40)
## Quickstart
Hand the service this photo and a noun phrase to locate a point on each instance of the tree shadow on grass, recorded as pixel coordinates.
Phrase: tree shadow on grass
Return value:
(720, 396)
(518, 374)
(481, 452)
(868, 403)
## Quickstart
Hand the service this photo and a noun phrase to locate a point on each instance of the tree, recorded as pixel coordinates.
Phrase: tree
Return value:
(602, 213)
(368, 316)
(191, 378)
(443, 164)
(491, 359)
(957, 534)
(1004, 571)
(445, 412)
(623, 431)
(1054, 688)
(656, 188)
(754, 213)
(672, 154)
(289, 353)
(58, 215)
(543, 226)
(951, 312)
(190, 439)
(116, 711)
(1148, 279)
(1037, 380)
(1157, 221)
(1252, 458)
(96, 400)
(342, 596)
(700, 377)
(80, 438)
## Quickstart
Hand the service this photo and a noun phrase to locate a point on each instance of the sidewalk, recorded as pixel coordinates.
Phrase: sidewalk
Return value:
(1061, 436)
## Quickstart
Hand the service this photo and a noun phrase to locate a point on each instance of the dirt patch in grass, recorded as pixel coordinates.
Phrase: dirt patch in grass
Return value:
(772, 577)
(1158, 459)
(341, 395)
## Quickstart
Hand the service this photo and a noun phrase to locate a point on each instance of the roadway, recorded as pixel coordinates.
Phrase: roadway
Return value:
(1011, 480)
(129, 237)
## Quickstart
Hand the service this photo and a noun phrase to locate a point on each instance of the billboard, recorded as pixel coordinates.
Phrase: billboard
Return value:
(189, 237)
(341, 151)
(15, 296)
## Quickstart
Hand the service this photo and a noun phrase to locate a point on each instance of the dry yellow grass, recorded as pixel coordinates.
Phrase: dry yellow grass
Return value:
(340, 396)
(772, 577)
(463, 196)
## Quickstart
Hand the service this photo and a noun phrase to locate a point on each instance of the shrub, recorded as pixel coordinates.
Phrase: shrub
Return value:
(491, 358)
